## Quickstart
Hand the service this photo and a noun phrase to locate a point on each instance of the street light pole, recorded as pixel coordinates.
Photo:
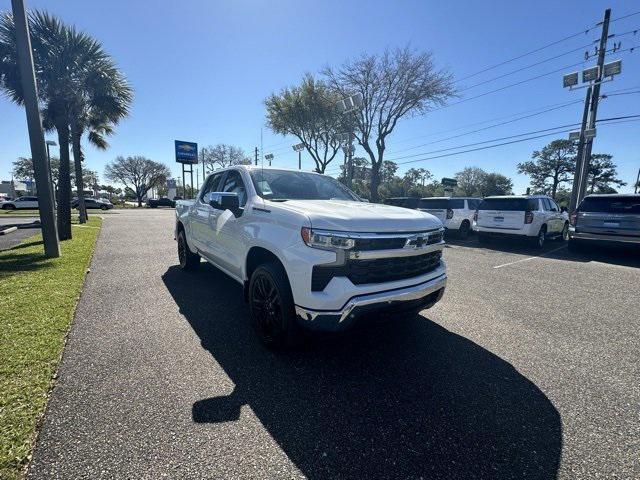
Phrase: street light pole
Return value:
(586, 156)
(36, 135)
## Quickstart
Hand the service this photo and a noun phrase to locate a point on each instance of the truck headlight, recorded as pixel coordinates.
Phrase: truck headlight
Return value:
(326, 239)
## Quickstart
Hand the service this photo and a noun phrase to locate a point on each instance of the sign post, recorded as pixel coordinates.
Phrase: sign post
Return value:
(186, 154)
(449, 184)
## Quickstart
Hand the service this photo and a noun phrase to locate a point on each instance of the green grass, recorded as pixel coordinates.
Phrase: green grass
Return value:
(27, 212)
(37, 302)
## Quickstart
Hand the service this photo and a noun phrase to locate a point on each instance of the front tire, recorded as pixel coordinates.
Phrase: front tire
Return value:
(9, 207)
(189, 261)
(564, 236)
(271, 307)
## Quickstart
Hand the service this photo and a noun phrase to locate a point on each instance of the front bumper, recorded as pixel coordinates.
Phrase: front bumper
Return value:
(414, 297)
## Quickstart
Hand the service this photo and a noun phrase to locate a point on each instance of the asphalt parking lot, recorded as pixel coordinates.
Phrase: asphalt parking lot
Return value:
(528, 368)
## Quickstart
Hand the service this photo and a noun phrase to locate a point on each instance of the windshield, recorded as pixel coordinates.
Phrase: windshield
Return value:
(289, 185)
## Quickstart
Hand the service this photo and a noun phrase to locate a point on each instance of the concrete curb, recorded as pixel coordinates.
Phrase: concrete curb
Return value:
(8, 230)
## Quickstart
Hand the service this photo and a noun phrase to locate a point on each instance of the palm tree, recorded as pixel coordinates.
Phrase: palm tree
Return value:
(71, 68)
(102, 102)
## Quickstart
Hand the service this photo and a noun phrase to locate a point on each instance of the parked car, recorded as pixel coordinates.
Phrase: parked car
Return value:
(533, 217)
(308, 252)
(406, 202)
(93, 203)
(160, 202)
(20, 203)
(606, 220)
(456, 214)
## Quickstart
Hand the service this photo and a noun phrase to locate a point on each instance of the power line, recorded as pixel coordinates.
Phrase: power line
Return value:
(490, 126)
(508, 137)
(500, 144)
(483, 142)
(607, 95)
(544, 133)
(623, 17)
(524, 68)
(531, 52)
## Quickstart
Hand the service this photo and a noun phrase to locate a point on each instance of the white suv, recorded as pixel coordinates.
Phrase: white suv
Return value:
(535, 217)
(456, 214)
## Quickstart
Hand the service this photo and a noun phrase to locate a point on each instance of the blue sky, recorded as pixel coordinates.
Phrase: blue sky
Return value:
(201, 70)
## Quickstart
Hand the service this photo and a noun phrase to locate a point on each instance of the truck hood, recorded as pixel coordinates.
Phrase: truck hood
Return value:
(361, 217)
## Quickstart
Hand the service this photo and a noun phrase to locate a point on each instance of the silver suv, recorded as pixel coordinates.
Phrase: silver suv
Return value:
(606, 219)
(456, 214)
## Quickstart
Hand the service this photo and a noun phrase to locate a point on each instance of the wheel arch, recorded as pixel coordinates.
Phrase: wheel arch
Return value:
(257, 256)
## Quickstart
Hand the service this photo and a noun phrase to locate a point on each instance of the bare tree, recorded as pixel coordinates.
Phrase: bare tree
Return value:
(393, 85)
(223, 155)
(309, 112)
(137, 173)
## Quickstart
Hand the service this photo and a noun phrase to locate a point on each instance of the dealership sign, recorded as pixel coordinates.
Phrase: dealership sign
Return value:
(186, 152)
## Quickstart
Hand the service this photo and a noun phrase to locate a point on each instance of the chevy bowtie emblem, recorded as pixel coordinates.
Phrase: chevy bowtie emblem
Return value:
(416, 242)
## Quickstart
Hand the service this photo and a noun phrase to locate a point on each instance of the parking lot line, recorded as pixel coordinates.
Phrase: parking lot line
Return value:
(530, 258)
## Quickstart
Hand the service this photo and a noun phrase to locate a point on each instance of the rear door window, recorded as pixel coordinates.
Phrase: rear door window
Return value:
(473, 204)
(434, 203)
(629, 204)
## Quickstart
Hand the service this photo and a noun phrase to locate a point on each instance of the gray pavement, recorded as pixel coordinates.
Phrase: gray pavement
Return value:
(14, 238)
(528, 368)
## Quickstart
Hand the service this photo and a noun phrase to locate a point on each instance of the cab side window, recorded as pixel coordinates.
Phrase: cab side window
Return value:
(234, 184)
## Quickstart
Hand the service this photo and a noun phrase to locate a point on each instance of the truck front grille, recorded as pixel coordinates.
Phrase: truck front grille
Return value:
(379, 270)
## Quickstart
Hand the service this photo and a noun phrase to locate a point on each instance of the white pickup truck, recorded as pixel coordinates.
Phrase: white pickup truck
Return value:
(309, 252)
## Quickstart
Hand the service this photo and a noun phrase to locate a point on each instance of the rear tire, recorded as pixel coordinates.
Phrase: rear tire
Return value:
(539, 240)
(9, 207)
(272, 309)
(189, 261)
(464, 230)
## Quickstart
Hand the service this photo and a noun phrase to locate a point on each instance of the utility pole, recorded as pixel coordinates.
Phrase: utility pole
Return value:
(573, 203)
(635, 188)
(36, 135)
(586, 159)
(256, 156)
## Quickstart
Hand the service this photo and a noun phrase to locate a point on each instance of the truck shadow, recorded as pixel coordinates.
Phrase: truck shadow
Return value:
(408, 399)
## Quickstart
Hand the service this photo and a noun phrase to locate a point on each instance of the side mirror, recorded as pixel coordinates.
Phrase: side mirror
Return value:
(225, 201)
(564, 209)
